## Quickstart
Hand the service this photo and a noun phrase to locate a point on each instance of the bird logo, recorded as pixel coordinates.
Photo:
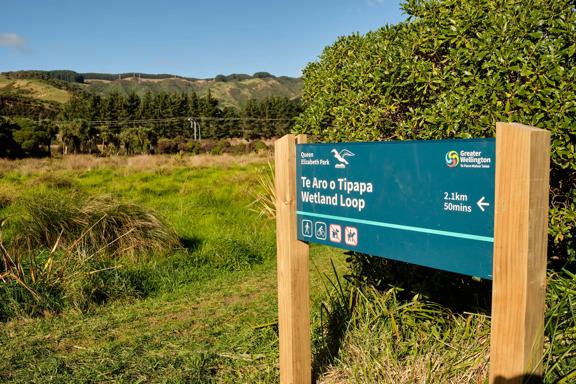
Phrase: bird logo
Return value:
(341, 157)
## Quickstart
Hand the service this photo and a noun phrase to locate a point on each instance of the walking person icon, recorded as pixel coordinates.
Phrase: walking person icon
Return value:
(307, 228)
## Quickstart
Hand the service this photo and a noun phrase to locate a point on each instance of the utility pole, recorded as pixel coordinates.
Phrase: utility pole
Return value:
(193, 126)
(196, 128)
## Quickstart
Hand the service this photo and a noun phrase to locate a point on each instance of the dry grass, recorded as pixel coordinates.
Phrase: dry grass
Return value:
(132, 163)
(264, 203)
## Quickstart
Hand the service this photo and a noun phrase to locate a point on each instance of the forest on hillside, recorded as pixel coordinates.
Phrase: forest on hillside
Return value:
(153, 123)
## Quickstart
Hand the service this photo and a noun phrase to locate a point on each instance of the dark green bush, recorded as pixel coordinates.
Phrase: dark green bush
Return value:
(237, 149)
(258, 146)
(194, 147)
(167, 146)
(452, 70)
(220, 147)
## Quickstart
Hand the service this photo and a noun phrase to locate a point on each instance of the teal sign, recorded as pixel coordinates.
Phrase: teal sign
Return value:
(429, 203)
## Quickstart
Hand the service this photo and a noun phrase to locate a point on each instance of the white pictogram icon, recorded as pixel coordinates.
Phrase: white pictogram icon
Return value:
(335, 233)
(341, 157)
(320, 230)
(307, 228)
(351, 236)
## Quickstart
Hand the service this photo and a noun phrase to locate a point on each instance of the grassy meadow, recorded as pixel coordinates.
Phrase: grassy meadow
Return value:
(204, 310)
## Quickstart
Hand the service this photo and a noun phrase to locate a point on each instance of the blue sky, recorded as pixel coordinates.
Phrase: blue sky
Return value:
(190, 38)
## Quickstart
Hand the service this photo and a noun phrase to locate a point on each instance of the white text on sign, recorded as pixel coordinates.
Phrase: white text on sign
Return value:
(342, 187)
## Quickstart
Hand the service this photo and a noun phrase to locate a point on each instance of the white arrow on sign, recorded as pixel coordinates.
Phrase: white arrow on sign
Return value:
(481, 204)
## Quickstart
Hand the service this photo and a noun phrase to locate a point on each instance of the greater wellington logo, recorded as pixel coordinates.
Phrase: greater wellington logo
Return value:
(341, 157)
(452, 159)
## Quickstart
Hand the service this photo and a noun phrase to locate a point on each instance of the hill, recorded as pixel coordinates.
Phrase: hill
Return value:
(233, 93)
(33, 88)
(232, 90)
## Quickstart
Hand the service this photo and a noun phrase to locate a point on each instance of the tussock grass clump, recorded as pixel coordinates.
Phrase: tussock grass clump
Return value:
(264, 195)
(371, 336)
(90, 224)
(47, 281)
(560, 328)
(74, 250)
(54, 181)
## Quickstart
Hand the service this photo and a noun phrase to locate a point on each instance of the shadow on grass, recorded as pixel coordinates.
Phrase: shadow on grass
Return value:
(457, 292)
(334, 317)
(191, 244)
(328, 346)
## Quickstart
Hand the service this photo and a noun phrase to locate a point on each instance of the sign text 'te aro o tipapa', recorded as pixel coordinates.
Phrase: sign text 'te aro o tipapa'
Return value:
(429, 203)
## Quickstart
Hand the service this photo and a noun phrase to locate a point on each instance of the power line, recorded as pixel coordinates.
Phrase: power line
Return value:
(179, 119)
(205, 118)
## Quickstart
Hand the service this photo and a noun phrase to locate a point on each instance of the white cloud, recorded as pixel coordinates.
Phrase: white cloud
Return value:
(374, 3)
(12, 40)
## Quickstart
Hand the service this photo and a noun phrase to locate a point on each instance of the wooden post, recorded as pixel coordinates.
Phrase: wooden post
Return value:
(293, 283)
(520, 241)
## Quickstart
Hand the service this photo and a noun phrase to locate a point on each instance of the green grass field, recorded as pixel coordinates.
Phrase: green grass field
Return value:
(210, 315)
(207, 312)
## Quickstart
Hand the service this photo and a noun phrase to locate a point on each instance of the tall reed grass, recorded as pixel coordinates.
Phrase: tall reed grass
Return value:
(90, 225)
(370, 335)
(264, 194)
(382, 338)
(67, 249)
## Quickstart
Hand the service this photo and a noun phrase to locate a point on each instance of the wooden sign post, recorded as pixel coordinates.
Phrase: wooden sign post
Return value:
(293, 283)
(520, 242)
(446, 205)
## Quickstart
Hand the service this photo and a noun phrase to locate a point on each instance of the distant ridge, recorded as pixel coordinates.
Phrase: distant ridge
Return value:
(78, 77)
(232, 90)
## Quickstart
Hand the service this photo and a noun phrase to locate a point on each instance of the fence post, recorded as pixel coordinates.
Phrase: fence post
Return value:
(293, 282)
(520, 242)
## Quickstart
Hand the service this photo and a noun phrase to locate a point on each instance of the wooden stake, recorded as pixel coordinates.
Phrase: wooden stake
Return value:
(293, 282)
(520, 241)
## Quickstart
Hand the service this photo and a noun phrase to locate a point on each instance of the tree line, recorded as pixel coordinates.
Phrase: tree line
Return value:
(91, 123)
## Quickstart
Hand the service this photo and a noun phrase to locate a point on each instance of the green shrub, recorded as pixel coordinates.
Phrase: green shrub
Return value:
(220, 147)
(258, 146)
(452, 70)
(194, 147)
